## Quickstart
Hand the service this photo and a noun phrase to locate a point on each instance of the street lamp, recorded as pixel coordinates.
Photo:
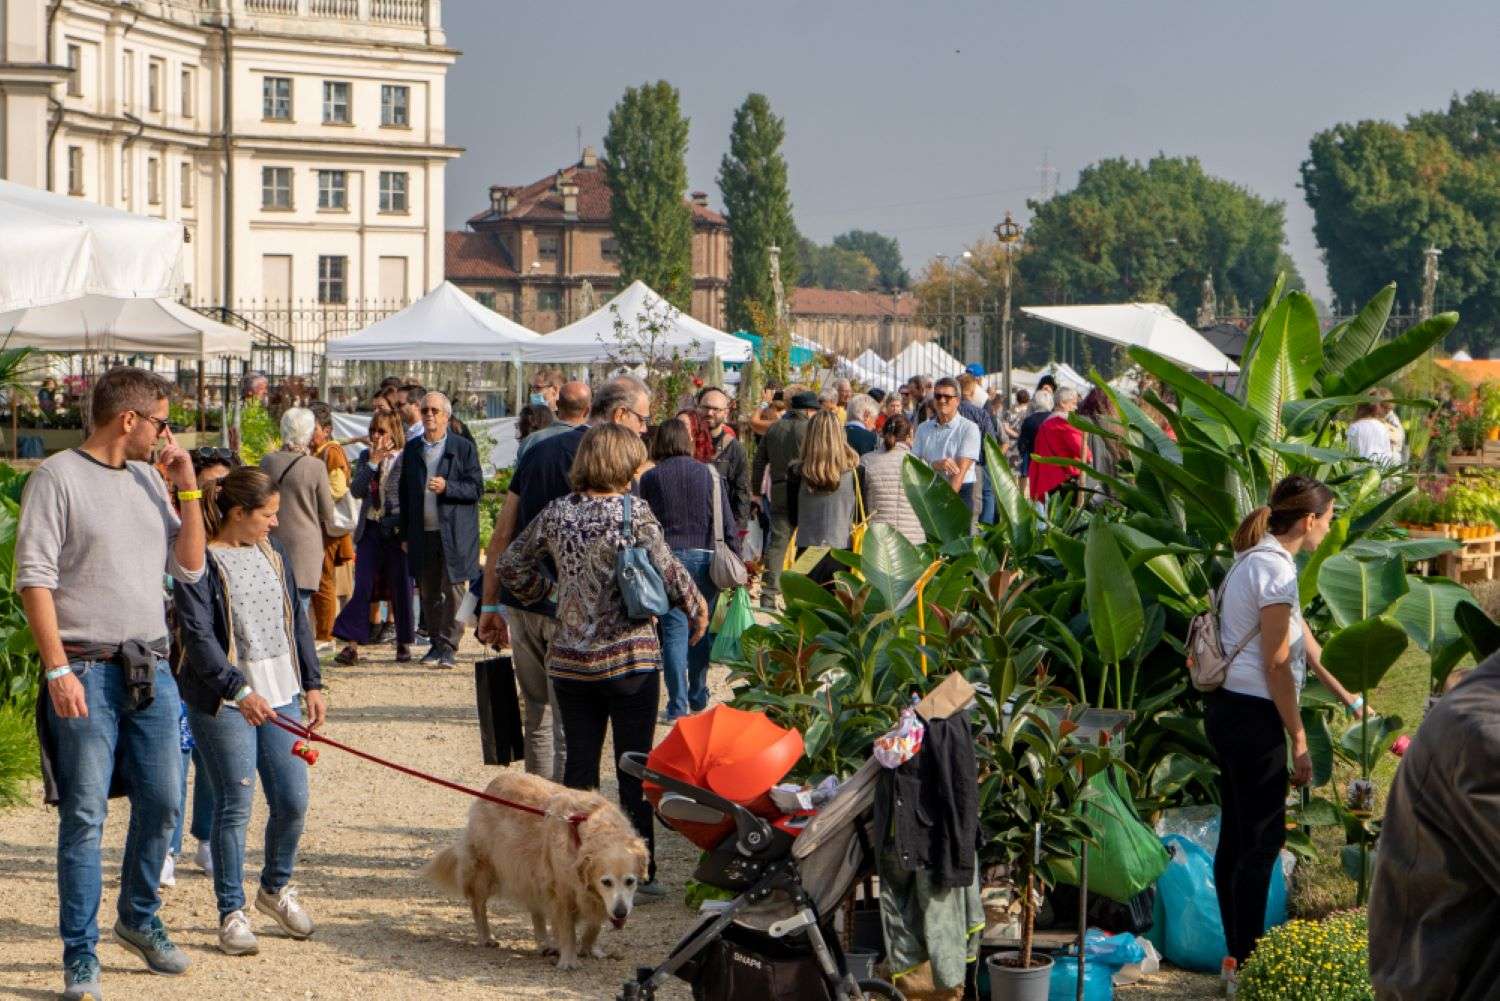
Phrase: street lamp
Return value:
(1009, 234)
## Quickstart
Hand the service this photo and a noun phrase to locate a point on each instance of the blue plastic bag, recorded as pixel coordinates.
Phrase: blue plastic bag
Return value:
(1098, 980)
(1113, 951)
(1188, 931)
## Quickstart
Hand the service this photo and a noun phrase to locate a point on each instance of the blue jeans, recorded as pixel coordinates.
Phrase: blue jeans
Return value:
(685, 667)
(233, 753)
(145, 743)
(987, 511)
(203, 804)
(304, 598)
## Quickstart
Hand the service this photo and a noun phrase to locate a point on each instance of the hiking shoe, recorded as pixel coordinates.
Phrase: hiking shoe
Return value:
(235, 936)
(383, 634)
(447, 660)
(203, 858)
(349, 656)
(432, 656)
(154, 947)
(81, 980)
(403, 653)
(168, 871)
(286, 910)
(650, 891)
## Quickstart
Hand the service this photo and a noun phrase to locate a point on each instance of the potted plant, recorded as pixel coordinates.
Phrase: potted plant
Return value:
(1031, 804)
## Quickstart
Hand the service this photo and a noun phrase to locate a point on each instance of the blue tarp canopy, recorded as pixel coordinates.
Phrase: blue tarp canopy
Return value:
(799, 355)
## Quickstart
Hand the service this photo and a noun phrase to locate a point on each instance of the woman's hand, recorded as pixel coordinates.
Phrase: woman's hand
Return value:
(255, 709)
(1301, 769)
(699, 622)
(317, 709)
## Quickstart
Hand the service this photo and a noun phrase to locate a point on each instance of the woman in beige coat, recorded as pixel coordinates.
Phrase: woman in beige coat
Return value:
(885, 497)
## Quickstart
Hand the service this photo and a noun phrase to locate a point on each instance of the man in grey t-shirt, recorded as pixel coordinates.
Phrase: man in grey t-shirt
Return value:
(97, 531)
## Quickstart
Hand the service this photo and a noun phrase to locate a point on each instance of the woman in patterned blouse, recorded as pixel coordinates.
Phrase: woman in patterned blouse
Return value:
(604, 667)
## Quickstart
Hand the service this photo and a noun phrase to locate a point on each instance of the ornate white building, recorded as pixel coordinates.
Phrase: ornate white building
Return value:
(300, 142)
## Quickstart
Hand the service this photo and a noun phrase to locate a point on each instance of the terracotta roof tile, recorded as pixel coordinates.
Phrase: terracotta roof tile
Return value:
(474, 256)
(540, 201)
(840, 302)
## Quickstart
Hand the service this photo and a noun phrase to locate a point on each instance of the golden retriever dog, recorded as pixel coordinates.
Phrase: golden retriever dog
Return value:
(570, 885)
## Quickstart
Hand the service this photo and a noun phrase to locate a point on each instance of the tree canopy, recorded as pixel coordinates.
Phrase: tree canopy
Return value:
(831, 266)
(758, 205)
(1382, 193)
(1136, 232)
(883, 251)
(645, 163)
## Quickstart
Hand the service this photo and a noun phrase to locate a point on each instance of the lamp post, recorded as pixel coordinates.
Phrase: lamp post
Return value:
(1008, 232)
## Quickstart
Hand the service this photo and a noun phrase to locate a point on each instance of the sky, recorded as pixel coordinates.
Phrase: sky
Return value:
(928, 121)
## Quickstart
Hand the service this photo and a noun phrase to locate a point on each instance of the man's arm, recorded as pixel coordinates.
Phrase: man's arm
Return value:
(758, 468)
(66, 692)
(740, 489)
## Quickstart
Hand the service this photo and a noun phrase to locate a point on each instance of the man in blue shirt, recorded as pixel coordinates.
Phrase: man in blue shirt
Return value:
(949, 442)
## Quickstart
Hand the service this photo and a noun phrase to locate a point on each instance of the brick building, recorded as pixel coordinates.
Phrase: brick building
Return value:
(530, 253)
(848, 322)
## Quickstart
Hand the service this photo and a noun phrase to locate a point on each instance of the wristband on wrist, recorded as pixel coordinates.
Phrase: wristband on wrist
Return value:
(490, 608)
(58, 672)
(241, 695)
(189, 495)
(1356, 705)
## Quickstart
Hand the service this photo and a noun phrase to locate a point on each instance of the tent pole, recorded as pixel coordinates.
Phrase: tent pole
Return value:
(202, 396)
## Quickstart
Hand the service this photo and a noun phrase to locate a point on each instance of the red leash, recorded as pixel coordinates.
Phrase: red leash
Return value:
(297, 729)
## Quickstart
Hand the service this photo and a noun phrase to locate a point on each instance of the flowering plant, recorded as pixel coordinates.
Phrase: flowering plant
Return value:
(1326, 960)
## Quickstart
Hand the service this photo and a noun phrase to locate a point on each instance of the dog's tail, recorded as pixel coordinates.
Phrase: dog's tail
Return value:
(442, 871)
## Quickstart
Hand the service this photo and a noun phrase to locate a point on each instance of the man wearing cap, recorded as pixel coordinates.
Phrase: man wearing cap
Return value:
(781, 448)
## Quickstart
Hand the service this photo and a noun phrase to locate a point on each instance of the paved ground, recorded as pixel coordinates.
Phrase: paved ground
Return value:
(382, 934)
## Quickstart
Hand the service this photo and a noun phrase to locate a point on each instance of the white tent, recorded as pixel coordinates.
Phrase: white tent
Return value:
(124, 326)
(847, 369)
(924, 358)
(1144, 324)
(446, 324)
(1066, 375)
(594, 339)
(870, 361)
(54, 248)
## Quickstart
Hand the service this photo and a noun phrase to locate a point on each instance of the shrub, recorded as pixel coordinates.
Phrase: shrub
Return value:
(18, 754)
(1326, 960)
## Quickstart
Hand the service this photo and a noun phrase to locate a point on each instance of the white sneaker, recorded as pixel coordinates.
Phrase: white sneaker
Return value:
(286, 909)
(169, 871)
(323, 647)
(235, 936)
(203, 858)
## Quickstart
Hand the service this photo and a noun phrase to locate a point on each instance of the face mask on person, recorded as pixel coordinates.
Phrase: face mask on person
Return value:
(538, 400)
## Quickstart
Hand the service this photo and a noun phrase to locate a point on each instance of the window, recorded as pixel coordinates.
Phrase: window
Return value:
(392, 191)
(186, 82)
(153, 180)
(549, 300)
(335, 103)
(332, 281)
(485, 299)
(185, 182)
(276, 98)
(394, 101)
(75, 170)
(546, 246)
(153, 85)
(75, 71)
(609, 248)
(127, 92)
(333, 190)
(276, 188)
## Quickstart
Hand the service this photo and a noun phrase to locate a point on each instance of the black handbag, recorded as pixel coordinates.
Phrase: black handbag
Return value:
(500, 735)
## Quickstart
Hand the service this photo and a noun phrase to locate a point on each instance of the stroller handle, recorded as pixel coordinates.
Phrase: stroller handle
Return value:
(752, 833)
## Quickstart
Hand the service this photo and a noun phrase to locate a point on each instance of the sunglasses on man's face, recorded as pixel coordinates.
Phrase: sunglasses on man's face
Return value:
(945, 396)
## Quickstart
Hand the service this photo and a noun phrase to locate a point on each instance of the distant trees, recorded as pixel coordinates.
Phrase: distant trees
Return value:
(758, 206)
(883, 251)
(858, 259)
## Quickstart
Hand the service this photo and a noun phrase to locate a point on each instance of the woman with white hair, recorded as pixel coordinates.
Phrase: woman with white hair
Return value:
(306, 500)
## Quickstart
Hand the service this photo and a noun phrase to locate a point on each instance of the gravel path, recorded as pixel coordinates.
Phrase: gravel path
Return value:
(382, 933)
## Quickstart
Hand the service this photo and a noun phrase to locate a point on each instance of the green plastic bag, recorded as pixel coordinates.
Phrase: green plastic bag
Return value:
(737, 618)
(1127, 856)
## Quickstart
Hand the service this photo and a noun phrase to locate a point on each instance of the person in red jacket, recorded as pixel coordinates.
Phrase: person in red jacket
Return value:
(1056, 437)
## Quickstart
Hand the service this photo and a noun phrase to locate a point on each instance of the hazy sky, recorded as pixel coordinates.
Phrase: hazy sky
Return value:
(927, 121)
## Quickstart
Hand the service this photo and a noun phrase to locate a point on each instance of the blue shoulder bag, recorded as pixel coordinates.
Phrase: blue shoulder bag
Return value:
(641, 586)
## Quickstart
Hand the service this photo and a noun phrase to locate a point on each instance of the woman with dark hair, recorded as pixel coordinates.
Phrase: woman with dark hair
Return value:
(683, 492)
(1104, 453)
(248, 646)
(533, 417)
(1251, 718)
(880, 475)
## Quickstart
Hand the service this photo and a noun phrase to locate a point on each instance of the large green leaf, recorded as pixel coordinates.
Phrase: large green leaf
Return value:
(1353, 339)
(1481, 633)
(1380, 733)
(1285, 364)
(1427, 609)
(1303, 416)
(1204, 497)
(890, 563)
(943, 514)
(1141, 422)
(1257, 326)
(1011, 503)
(1165, 565)
(1332, 544)
(1242, 421)
(1319, 745)
(1390, 357)
(1360, 654)
(1357, 589)
(1116, 617)
(1410, 550)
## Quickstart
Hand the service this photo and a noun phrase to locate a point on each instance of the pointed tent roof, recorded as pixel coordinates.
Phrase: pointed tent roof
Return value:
(446, 324)
(592, 338)
(924, 358)
(870, 361)
(127, 326)
(1145, 324)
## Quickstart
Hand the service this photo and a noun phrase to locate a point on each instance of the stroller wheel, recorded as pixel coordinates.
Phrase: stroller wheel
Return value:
(879, 990)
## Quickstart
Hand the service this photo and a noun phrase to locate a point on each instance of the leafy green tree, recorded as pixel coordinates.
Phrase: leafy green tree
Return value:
(820, 266)
(645, 163)
(1130, 231)
(883, 251)
(758, 205)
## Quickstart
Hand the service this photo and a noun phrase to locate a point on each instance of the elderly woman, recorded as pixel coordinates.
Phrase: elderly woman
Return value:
(306, 512)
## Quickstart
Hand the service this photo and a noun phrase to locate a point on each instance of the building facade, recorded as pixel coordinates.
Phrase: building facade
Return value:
(300, 143)
(847, 322)
(544, 255)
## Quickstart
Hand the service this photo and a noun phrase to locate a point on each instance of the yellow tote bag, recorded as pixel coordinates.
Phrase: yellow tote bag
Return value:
(862, 522)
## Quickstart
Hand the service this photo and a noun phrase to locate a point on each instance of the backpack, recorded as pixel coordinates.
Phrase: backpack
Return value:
(1208, 664)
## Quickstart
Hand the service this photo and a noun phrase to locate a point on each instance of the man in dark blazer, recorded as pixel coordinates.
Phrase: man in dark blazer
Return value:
(441, 484)
(859, 429)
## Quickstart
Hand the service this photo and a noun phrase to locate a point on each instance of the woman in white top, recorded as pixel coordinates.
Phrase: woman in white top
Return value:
(1369, 436)
(1251, 718)
(249, 655)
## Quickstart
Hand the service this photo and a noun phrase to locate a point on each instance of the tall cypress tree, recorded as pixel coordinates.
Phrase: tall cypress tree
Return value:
(645, 163)
(752, 179)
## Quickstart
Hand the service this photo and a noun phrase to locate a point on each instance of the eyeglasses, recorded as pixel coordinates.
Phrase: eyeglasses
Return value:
(432, 410)
(945, 396)
(158, 423)
(208, 455)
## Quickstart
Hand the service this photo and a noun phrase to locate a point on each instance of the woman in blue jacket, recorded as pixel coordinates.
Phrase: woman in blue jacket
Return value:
(248, 646)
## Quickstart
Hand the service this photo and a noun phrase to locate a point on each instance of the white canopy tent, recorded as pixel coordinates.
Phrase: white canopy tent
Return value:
(594, 338)
(54, 248)
(446, 324)
(924, 358)
(871, 362)
(123, 326)
(1140, 324)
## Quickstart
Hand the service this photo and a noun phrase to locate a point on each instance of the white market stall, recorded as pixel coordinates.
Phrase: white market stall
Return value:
(594, 339)
(54, 248)
(924, 358)
(1140, 324)
(872, 362)
(123, 326)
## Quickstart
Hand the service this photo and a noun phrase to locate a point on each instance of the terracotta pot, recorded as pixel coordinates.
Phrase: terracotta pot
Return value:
(1493, 434)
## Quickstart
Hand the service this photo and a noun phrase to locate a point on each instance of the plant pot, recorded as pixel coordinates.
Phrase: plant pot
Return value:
(1012, 983)
(1493, 434)
(861, 963)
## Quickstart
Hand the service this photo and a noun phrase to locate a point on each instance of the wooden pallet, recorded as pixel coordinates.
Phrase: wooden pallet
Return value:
(1477, 559)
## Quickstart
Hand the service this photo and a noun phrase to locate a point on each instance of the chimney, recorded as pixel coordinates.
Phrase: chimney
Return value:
(502, 199)
(569, 191)
(700, 198)
(590, 159)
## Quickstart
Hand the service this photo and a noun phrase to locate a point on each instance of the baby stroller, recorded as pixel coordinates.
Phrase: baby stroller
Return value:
(774, 940)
